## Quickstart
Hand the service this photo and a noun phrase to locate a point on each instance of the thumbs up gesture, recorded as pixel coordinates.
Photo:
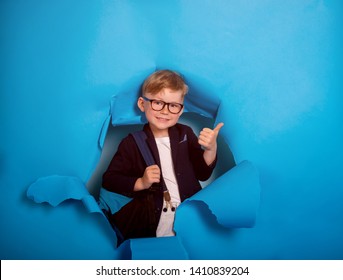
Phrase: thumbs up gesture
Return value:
(208, 137)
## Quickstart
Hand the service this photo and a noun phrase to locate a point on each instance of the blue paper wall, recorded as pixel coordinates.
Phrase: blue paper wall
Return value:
(274, 67)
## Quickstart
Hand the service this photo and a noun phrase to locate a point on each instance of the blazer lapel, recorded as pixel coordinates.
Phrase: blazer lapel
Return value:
(152, 144)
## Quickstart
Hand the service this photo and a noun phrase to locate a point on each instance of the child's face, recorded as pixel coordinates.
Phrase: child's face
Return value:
(160, 121)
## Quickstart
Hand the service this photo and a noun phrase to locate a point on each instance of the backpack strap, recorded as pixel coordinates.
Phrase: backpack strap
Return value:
(140, 138)
(111, 202)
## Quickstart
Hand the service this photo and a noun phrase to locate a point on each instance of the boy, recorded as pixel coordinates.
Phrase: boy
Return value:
(180, 159)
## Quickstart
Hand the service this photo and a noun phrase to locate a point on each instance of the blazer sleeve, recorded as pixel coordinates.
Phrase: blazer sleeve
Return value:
(124, 169)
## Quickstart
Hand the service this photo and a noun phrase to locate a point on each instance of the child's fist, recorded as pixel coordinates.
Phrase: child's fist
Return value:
(151, 175)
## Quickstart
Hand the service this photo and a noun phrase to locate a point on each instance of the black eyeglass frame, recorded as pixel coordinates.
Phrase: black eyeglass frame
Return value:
(164, 104)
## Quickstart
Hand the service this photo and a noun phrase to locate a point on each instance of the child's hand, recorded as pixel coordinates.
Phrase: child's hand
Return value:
(151, 175)
(208, 137)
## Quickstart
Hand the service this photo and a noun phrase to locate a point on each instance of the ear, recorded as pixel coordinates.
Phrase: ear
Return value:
(140, 104)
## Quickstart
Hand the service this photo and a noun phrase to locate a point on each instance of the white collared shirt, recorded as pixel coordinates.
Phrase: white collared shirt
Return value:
(166, 223)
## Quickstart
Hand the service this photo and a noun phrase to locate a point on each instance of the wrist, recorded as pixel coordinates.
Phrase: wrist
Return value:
(139, 185)
(212, 148)
(210, 156)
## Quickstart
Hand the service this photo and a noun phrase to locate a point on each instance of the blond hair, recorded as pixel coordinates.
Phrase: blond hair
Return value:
(164, 79)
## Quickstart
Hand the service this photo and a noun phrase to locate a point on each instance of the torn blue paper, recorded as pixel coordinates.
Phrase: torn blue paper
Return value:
(233, 199)
(162, 248)
(56, 189)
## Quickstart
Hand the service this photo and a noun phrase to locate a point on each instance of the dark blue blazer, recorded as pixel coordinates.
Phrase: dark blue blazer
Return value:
(127, 165)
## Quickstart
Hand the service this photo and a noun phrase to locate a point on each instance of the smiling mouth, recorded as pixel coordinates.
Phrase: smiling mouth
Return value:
(162, 119)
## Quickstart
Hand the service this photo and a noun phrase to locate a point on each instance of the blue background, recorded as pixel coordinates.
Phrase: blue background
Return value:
(274, 66)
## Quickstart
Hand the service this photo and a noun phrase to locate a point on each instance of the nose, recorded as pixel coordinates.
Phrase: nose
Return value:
(165, 109)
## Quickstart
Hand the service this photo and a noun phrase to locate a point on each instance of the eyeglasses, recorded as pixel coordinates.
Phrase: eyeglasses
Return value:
(158, 105)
